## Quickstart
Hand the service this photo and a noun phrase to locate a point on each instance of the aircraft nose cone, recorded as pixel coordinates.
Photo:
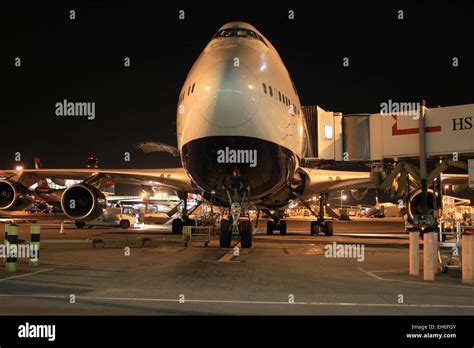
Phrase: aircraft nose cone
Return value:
(229, 95)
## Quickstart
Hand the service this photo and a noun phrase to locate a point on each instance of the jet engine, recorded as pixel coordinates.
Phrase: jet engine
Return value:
(83, 202)
(14, 196)
(414, 205)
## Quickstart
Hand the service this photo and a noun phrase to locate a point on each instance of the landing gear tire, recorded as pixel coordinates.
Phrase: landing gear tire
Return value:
(79, 224)
(124, 224)
(270, 227)
(283, 228)
(246, 234)
(314, 228)
(177, 226)
(225, 235)
(327, 228)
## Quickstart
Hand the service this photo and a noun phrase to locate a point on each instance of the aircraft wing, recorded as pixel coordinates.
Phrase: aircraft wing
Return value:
(455, 179)
(321, 180)
(176, 178)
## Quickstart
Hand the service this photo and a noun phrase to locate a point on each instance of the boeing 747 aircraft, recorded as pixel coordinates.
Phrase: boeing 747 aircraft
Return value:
(241, 136)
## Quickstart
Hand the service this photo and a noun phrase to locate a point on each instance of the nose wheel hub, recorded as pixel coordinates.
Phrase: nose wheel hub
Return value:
(235, 210)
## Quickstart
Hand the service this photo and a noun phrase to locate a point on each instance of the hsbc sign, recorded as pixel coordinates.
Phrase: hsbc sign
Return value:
(462, 123)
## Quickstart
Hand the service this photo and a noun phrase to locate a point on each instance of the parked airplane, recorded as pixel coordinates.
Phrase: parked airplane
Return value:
(241, 137)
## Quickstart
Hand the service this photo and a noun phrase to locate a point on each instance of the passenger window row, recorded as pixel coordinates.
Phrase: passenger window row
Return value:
(267, 89)
(190, 91)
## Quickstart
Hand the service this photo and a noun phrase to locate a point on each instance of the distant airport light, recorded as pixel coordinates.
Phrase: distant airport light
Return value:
(19, 168)
(92, 162)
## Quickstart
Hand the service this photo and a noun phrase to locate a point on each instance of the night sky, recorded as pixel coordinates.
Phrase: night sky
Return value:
(82, 60)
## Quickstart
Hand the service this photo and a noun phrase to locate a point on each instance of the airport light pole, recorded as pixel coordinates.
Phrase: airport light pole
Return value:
(422, 153)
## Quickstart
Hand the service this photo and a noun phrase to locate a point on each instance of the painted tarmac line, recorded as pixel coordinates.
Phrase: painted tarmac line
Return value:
(227, 257)
(371, 234)
(308, 303)
(411, 281)
(27, 274)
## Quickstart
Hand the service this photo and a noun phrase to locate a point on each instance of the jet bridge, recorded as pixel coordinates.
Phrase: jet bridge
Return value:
(392, 143)
(389, 136)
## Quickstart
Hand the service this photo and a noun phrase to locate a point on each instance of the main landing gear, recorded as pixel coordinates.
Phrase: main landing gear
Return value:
(276, 224)
(325, 227)
(321, 225)
(184, 220)
(179, 223)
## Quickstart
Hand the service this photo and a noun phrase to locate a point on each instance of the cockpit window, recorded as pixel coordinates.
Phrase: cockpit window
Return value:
(240, 33)
(225, 33)
(245, 33)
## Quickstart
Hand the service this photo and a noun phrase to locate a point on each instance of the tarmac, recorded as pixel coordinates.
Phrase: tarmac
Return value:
(149, 271)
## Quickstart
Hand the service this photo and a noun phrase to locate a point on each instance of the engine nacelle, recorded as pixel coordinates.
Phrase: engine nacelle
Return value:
(414, 206)
(14, 196)
(83, 202)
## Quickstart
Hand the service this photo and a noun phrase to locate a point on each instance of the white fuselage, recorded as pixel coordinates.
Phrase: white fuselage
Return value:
(239, 96)
(229, 99)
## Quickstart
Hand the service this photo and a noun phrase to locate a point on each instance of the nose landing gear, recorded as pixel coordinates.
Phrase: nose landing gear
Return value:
(230, 229)
(236, 226)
